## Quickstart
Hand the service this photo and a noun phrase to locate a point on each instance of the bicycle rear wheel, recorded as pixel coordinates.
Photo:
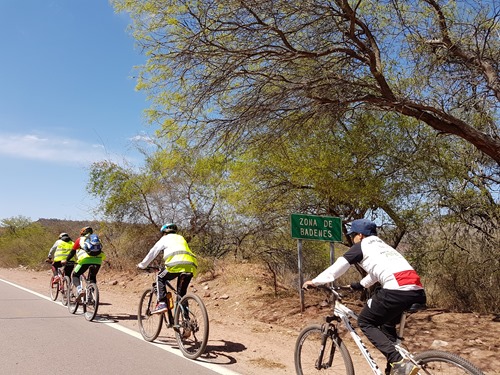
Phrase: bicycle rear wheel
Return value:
(149, 324)
(64, 290)
(191, 326)
(437, 362)
(54, 287)
(91, 302)
(307, 351)
(72, 298)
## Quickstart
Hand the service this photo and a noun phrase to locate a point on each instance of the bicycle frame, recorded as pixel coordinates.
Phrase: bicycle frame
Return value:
(345, 314)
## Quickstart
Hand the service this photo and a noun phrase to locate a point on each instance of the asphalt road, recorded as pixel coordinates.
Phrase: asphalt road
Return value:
(38, 336)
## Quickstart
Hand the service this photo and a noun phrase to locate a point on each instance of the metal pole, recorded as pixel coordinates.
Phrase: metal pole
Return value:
(332, 253)
(301, 276)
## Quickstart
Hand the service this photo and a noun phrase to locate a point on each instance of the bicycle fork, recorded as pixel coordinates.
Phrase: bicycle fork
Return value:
(326, 332)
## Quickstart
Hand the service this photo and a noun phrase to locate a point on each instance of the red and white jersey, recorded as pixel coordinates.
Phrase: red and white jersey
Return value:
(382, 263)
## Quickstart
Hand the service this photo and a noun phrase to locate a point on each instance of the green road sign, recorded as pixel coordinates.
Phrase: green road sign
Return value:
(312, 227)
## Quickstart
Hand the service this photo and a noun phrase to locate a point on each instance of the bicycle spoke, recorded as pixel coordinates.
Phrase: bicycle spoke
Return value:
(64, 290)
(54, 287)
(437, 362)
(91, 301)
(191, 324)
(149, 324)
(72, 298)
(307, 354)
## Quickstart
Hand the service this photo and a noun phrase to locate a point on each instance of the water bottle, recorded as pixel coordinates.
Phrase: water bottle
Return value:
(170, 301)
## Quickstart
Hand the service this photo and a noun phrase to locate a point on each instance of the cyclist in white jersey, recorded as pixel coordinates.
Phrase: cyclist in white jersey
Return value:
(401, 288)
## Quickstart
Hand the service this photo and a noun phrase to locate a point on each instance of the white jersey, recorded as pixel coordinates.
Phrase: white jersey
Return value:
(382, 263)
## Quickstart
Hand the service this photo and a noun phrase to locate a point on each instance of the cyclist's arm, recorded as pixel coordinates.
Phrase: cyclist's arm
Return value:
(52, 251)
(368, 281)
(152, 254)
(336, 270)
(76, 245)
(70, 255)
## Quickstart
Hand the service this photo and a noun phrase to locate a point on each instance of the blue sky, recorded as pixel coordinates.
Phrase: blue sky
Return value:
(67, 99)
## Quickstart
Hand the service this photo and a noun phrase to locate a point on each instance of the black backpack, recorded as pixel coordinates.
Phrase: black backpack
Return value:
(92, 245)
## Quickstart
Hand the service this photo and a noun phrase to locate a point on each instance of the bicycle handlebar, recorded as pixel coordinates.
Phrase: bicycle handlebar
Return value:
(333, 289)
(150, 268)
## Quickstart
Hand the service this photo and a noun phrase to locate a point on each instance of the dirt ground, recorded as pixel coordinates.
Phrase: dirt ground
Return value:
(253, 332)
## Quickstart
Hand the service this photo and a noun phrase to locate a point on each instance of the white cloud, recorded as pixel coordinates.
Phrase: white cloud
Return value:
(142, 138)
(51, 148)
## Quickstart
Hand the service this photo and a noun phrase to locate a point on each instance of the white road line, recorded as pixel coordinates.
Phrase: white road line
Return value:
(214, 367)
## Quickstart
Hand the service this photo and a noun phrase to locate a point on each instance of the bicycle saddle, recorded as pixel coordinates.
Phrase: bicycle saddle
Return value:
(416, 307)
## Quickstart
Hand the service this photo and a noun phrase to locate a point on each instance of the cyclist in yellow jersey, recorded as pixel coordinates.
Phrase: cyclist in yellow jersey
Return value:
(180, 263)
(84, 261)
(59, 251)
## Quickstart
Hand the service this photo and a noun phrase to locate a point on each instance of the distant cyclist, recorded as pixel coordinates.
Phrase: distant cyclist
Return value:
(180, 263)
(85, 261)
(401, 288)
(59, 252)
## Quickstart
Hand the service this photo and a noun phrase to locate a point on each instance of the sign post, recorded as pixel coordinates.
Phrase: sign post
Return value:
(312, 227)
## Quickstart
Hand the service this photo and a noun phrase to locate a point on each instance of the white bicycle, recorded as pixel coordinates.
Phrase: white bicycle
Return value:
(320, 350)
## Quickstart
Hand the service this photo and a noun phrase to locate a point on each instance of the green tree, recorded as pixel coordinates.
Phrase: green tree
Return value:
(23, 242)
(176, 184)
(248, 67)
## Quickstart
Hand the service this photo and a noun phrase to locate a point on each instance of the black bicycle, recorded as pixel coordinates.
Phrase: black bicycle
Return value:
(90, 299)
(187, 316)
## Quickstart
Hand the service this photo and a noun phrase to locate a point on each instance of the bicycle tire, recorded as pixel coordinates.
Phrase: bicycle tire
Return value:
(91, 301)
(64, 290)
(72, 298)
(437, 362)
(149, 324)
(307, 349)
(191, 326)
(54, 287)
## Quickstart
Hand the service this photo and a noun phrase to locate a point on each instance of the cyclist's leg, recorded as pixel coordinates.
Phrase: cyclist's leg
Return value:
(389, 328)
(55, 267)
(93, 271)
(183, 281)
(385, 306)
(68, 268)
(77, 272)
(161, 279)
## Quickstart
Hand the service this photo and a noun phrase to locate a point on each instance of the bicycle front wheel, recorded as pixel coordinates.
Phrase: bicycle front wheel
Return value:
(443, 363)
(191, 326)
(64, 290)
(149, 324)
(92, 301)
(54, 287)
(335, 359)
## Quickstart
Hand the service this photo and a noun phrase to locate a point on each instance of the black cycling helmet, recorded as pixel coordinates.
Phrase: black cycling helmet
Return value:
(86, 230)
(64, 237)
(169, 228)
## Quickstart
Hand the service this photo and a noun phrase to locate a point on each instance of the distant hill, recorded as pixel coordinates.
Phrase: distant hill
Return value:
(72, 227)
